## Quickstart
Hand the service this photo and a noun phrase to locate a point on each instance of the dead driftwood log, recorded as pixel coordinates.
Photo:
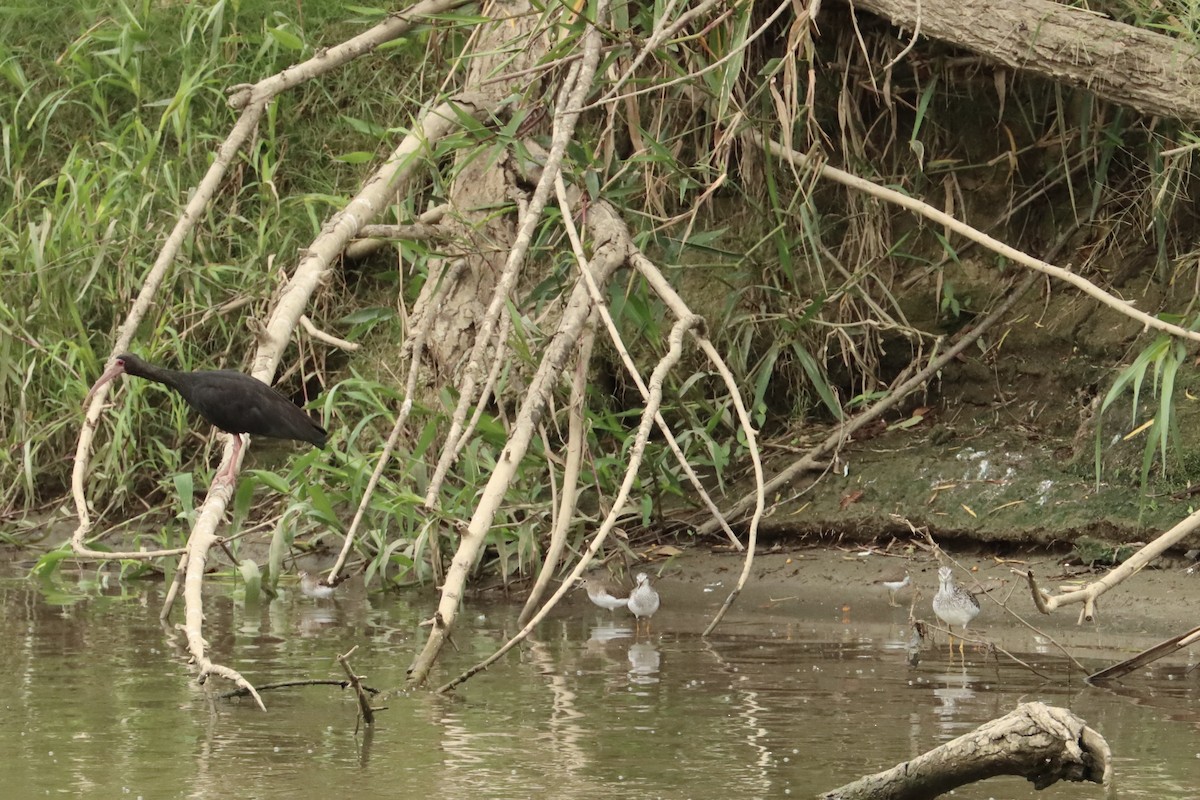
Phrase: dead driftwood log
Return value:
(1133, 66)
(1038, 742)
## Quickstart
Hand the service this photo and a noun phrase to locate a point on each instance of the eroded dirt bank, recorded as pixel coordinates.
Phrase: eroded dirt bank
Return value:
(833, 586)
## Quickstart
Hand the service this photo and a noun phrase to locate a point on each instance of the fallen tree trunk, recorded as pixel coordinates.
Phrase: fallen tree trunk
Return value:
(1038, 742)
(1147, 71)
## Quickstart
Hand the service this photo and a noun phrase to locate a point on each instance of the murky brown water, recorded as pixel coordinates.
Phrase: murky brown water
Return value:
(97, 699)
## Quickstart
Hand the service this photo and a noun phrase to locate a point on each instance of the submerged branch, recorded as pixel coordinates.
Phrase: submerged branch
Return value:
(365, 710)
(1147, 656)
(610, 251)
(665, 365)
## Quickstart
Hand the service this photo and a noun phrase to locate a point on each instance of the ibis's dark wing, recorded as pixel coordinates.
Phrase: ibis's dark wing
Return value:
(238, 403)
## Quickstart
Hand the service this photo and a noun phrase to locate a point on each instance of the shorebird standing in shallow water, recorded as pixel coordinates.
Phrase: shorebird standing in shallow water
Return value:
(603, 594)
(643, 600)
(894, 583)
(954, 605)
(313, 586)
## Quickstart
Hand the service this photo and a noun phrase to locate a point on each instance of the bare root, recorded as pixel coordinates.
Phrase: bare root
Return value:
(665, 365)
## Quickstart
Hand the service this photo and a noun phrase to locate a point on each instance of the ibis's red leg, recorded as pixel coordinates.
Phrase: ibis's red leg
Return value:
(228, 474)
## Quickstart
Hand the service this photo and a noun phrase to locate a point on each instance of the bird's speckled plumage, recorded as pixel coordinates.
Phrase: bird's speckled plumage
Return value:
(643, 600)
(604, 594)
(894, 584)
(313, 586)
(953, 604)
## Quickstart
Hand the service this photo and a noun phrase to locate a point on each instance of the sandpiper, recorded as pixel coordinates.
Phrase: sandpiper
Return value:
(603, 594)
(313, 586)
(894, 583)
(953, 604)
(643, 600)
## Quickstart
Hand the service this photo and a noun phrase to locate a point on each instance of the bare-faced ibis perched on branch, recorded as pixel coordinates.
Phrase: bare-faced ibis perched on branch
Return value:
(230, 401)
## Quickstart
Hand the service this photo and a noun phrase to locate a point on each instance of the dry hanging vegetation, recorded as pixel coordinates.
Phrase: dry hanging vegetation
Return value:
(632, 241)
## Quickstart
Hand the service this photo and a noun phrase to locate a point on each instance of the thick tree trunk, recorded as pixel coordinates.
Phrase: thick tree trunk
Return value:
(1147, 71)
(481, 185)
(1041, 743)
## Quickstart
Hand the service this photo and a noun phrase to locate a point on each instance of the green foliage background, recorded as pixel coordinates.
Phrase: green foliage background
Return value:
(110, 113)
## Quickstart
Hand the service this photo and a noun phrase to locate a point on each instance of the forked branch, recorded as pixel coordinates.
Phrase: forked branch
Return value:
(1088, 594)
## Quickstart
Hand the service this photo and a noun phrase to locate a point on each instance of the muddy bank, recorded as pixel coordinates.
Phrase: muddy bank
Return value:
(995, 488)
(1002, 446)
(1001, 472)
(835, 587)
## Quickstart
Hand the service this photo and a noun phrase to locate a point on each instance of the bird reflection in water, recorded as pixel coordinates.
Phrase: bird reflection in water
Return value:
(644, 660)
(315, 619)
(603, 634)
(954, 693)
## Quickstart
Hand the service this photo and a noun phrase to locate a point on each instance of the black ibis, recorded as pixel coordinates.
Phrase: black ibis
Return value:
(230, 401)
